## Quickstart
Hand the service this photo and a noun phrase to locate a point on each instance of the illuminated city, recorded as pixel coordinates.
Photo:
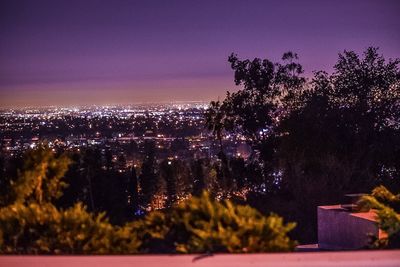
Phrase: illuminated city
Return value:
(178, 131)
(199, 133)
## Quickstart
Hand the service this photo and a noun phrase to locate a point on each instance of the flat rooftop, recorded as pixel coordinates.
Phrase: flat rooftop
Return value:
(370, 215)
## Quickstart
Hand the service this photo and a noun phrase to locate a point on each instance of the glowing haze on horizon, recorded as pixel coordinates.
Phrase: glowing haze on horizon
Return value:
(121, 52)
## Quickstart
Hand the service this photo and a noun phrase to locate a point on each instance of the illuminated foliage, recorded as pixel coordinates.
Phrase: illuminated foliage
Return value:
(33, 225)
(40, 179)
(202, 225)
(388, 212)
(42, 229)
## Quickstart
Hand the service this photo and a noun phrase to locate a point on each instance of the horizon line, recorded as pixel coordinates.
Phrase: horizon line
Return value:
(109, 105)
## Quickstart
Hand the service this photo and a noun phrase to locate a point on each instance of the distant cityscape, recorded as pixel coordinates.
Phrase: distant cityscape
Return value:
(177, 129)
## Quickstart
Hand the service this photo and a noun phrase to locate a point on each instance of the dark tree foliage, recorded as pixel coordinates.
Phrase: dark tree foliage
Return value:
(133, 192)
(345, 136)
(254, 110)
(314, 141)
(132, 148)
(92, 169)
(78, 186)
(217, 121)
(100, 189)
(238, 168)
(110, 193)
(224, 175)
(168, 174)
(2, 169)
(198, 175)
(148, 179)
(175, 180)
(108, 159)
(8, 175)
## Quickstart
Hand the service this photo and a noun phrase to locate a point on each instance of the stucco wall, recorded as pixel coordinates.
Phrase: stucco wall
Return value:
(340, 229)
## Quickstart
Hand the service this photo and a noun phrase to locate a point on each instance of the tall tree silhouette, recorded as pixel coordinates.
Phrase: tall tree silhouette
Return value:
(197, 172)
(133, 192)
(169, 175)
(148, 178)
(92, 168)
(216, 121)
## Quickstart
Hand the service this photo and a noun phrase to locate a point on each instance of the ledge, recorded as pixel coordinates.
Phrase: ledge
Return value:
(377, 258)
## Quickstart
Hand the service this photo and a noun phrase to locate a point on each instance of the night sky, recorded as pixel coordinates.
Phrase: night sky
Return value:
(118, 52)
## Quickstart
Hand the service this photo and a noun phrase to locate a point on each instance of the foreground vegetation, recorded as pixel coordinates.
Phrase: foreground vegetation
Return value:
(32, 224)
(387, 206)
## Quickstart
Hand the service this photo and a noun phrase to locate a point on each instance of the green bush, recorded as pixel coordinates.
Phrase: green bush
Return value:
(204, 225)
(387, 206)
(43, 229)
(32, 224)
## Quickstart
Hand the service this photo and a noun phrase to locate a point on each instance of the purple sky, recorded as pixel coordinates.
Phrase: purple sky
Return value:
(108, 52)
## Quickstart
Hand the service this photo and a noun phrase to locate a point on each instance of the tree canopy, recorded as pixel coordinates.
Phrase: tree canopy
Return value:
(315, 139)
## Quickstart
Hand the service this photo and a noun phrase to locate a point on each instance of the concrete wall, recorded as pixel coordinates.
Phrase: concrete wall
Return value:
(340, 229)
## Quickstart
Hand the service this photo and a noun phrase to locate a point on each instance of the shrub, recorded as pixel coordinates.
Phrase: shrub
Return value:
(388, 207)
(43, 229)
(31, 224)
(204, 225)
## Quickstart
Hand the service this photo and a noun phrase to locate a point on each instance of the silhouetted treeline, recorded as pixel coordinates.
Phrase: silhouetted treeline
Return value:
(315, 139)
